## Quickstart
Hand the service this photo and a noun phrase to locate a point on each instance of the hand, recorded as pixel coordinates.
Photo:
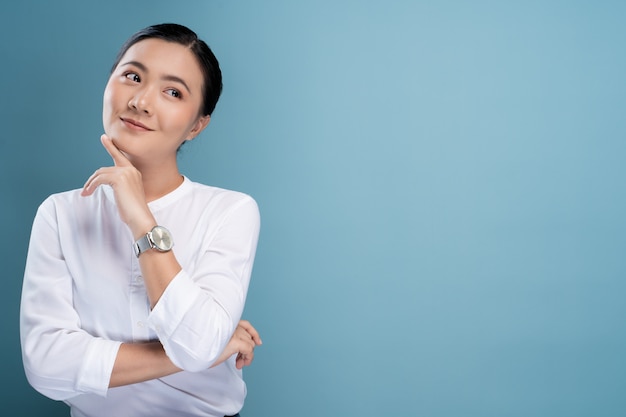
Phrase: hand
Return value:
(246, 333)
(127, 186)
(242, 343)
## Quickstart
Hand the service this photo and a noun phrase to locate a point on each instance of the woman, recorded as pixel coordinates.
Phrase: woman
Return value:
(115, 320)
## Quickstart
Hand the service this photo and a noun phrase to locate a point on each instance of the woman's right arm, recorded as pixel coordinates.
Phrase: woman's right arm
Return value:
(138, 362)
(60, 359)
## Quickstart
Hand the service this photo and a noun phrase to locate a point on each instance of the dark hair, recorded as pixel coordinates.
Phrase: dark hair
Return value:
(172, 32)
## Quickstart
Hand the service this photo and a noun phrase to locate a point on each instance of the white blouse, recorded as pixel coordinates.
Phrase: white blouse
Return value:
(83, 295)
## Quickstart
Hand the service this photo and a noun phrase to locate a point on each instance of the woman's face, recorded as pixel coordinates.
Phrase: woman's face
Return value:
(153, 99)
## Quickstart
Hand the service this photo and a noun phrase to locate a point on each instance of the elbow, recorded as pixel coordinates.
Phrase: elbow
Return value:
(197, 360)
(64, 370)
(41, 373)
(201, 355)
(37, 377)
(47, 386)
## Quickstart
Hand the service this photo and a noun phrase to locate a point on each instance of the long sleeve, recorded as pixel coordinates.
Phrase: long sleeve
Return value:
(84, 295)
(61, 359)
(198, 312)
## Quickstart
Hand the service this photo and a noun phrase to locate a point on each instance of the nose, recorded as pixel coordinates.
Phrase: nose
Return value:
(141, 101)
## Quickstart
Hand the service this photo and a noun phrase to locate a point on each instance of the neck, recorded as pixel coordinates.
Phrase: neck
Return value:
(159, 181)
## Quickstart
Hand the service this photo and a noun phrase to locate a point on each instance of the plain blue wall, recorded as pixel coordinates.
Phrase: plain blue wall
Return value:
(441, 187)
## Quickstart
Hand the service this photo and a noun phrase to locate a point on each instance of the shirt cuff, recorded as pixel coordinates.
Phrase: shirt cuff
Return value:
(95, 373)
(167, 314)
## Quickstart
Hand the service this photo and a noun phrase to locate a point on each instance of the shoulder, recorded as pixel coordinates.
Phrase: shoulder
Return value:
(59, 200)
(218, 205)
(71, 203)
(221, 197)
(74, 198)
(57, 206)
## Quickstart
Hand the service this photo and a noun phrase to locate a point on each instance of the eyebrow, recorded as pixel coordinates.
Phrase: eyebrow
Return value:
(166, 77)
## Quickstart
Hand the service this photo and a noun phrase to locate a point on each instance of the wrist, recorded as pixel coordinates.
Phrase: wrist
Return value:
(158, 238)
(139, 228)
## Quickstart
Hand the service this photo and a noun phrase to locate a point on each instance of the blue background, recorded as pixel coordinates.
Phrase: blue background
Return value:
(441, 187)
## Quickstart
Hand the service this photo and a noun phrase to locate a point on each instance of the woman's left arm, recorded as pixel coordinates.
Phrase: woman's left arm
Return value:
(193, 316)
(197, 314)
(158, 268)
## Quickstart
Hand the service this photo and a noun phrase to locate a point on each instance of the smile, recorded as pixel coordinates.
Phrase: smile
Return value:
(135, 125)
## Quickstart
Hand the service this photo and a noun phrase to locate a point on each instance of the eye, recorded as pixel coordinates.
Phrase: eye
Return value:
(173, 92)
(132, 76)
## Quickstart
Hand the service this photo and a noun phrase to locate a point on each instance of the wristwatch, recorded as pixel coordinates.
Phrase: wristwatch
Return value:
(158, 238)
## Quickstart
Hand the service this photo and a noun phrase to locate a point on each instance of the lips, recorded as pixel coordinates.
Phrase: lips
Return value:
(135, 125)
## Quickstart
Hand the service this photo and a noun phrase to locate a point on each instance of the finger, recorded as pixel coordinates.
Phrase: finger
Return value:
(245, 324)
(86, 188)
(243, 360)
(99, 177)
(118, 157)
(247, 359)
(240, 332)
(244, 343)
(241, 336)
(239, 362)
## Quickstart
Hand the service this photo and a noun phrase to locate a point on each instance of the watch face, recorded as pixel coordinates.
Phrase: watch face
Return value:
(162, 238)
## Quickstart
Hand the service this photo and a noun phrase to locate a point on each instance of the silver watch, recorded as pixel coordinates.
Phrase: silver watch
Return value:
(158, 238)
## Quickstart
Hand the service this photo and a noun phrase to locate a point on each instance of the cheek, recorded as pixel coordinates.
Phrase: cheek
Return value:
(110, 106)
(107, 101)
(181, 120)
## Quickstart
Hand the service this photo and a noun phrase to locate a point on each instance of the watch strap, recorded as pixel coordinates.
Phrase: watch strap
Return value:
(142, 244)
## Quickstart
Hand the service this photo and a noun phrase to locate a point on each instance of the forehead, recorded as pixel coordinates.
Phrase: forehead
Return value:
(162, 59)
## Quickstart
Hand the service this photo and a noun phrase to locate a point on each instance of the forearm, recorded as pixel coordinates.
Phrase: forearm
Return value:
(158, 270)
(195, 315)
(138, 362)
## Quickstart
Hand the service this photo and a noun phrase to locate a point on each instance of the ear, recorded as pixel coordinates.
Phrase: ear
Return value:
(201, 123)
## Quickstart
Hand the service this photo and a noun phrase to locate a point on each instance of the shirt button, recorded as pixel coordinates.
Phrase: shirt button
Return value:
(140, 324)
